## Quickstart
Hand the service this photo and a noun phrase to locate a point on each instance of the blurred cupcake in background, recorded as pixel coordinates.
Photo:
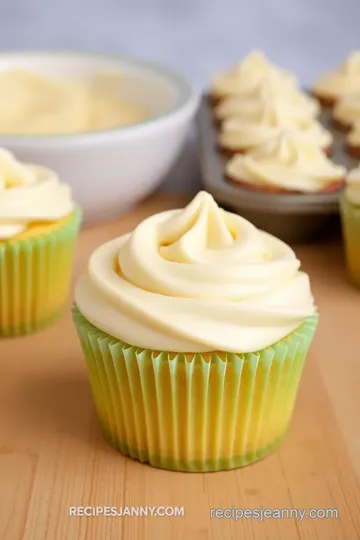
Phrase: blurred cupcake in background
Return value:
(239, 135)
(288, 163)
(38, 228)
(350, 214)
(300, 106)
(353, 141)
(347, 111)
(332, 86)
(247, 75)
(195, 328)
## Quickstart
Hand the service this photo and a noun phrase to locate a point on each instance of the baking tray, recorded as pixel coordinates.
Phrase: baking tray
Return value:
(293, 218)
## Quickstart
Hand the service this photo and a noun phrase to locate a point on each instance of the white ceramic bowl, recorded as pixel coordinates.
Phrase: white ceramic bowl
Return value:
(109, 171)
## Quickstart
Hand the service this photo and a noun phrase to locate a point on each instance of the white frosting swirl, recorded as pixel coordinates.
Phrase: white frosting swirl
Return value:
(341, 81)
(247, 74)
(352, 189)
(347, 109)
(289, 161)
(28, 194)
(195, 280)
(299, 105)
(272, 119)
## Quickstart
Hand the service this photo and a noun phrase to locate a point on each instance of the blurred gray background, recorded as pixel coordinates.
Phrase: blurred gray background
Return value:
(194, 36)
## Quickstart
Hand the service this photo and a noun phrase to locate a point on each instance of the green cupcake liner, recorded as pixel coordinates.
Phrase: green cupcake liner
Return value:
(35, 278)
(193, 412)
(350, 218)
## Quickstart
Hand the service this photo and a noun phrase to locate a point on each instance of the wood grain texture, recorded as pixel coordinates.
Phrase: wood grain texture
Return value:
(52, 455)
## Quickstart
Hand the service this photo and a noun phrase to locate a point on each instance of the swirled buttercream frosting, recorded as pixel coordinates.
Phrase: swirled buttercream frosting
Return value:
(343, 80)
(299, 105)
(289, 161)
(198, 279)
(244, 134)
(28, 194)
(247, 74)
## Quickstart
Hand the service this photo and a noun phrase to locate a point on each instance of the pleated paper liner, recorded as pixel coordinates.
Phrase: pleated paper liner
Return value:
(199, 412)
(35, 277)
(350, 218)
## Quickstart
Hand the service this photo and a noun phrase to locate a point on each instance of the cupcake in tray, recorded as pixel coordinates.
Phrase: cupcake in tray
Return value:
(238, 135)
(287, 163)
(353, 140)
(329, 88)
(350, 216)
(300, 105)
(38, 228)
(246, 76)
(195, 328)
(347, 111)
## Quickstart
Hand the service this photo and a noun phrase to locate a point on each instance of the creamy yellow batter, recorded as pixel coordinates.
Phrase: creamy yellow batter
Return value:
(32, 104)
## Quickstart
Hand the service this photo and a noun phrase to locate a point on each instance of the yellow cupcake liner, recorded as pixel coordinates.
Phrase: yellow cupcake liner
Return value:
(35, 278)
(193, 412)
(350, 217)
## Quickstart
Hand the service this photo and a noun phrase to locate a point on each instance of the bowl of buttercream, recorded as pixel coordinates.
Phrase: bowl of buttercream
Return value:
(110, 126)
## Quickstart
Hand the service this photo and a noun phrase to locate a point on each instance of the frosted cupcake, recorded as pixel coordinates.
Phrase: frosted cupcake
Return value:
(288, 163)
(343, 80)
(247, 75)
(243, 135)
(353, 141)
(350, 214)
(38, 228)
(300, 106)
(195, 328)
(347, 111)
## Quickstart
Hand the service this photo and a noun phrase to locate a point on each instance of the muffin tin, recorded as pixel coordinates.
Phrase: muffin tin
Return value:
(293, 218)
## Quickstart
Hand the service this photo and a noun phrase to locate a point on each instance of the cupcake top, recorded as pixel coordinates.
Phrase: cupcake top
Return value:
(343, 80)
(300, 106)
(352, 186)
(347, 109)
(247, 74)
(289, 161)
(274, 116)
(28, 194)
(353, 138)
(198, 279)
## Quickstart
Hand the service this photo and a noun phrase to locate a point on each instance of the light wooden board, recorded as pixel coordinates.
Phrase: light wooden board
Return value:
(52, 455)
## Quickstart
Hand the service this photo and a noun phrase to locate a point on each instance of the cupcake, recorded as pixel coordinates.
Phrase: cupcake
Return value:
(350, 217)
(300, 106)
(38, 228)
(195, 328)
(344, 80)
(353, 141)
(243, 135)
(246, 76)
(287, 163)
(347, 111)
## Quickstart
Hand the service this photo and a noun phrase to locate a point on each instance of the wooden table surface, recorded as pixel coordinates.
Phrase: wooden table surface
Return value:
(52, 455)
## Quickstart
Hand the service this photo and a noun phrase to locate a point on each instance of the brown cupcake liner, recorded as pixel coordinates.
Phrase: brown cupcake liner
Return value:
(215, 99)
(231, 152)
(331, 188)
(341, 126)
(217, 122)
(353, 150)
(325, 101)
